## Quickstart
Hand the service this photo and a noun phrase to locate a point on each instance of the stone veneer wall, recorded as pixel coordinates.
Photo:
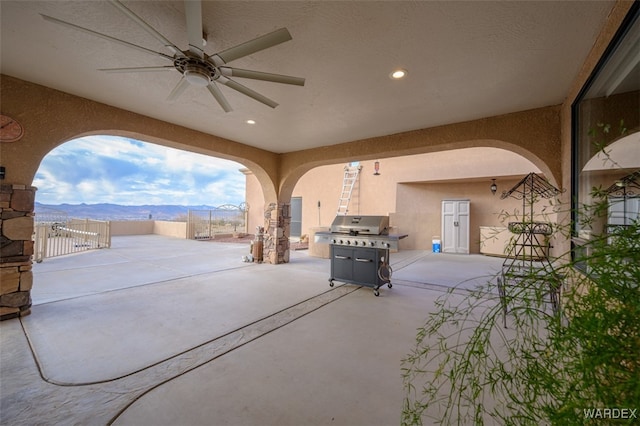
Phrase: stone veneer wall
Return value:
(277, 220)
(16, 248)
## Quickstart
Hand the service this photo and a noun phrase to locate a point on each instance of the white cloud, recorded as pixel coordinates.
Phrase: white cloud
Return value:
(108, 169)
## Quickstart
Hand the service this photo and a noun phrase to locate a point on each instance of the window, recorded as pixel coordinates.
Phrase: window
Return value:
(606, 138)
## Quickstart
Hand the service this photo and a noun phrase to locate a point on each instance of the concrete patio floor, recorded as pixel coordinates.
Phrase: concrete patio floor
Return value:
(162, 331)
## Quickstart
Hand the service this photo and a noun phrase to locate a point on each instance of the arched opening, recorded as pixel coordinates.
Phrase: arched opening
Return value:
(410, 190)
(612, 177)
(150, 279)
(94, 189)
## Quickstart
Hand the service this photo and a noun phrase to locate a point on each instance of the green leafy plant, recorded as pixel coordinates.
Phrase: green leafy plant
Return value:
(564, 366)
(467, 369)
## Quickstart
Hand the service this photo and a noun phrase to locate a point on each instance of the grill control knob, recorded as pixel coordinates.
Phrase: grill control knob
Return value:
(372, 243)
(341, 242)
(334, 241)
(348, 242)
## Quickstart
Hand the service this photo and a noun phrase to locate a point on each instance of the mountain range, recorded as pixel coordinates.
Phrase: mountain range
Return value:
(107, 211)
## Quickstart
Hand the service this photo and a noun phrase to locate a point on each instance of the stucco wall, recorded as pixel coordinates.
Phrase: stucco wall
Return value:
(170, 229)
(419, 207)
(131, 227)
(145, 227)
(410, 189)
(255, 199)
(533, 134)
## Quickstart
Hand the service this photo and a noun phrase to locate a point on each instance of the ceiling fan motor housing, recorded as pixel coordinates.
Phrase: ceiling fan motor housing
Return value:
(198, 72)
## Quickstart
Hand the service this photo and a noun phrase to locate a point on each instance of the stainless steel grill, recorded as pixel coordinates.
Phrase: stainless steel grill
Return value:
(359, 250)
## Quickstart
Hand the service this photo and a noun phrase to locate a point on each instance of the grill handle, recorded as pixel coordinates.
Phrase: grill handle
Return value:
(360, 259)
(337, 256)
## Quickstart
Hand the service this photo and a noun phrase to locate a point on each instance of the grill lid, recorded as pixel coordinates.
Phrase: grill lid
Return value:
(361, 225)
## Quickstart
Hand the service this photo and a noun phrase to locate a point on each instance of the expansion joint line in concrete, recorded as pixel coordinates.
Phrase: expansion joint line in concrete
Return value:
(146, 284)
(407, 262)
(118, 394)
(279, 320)
(489, 290)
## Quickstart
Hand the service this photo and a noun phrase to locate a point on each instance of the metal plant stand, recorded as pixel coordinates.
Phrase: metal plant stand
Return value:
(527, 255)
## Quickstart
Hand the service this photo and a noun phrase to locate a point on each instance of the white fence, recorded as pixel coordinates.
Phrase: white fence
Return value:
(60, 236)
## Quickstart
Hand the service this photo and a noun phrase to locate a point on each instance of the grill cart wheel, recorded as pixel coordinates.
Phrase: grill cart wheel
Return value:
(330, 282)
(389, 285)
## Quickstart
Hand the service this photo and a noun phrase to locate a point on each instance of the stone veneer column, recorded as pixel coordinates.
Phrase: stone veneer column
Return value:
(277, 220)
(16, 247)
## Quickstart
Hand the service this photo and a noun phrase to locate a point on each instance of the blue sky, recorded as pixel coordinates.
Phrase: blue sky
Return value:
(109, 169)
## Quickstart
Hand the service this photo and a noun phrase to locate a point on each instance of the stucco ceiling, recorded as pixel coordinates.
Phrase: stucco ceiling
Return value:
(466, 60)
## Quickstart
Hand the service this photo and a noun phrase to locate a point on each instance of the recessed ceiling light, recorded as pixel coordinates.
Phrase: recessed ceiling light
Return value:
(251, 122)
(398, 74)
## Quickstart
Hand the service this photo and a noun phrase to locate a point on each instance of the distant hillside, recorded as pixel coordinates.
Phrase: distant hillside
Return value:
(106, 211)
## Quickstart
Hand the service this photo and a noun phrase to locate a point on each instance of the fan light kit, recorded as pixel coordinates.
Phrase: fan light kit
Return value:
(197, 77)
(195, 66)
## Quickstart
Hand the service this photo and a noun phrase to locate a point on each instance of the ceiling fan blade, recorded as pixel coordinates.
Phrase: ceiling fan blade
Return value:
(246, 91)
(215, 91)
(252, 46)
(258, 75)
(106, 37)
(138, 69)
(193, 12)
(177, 91)
(148, 28)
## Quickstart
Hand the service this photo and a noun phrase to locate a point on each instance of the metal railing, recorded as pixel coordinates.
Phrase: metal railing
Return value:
(60, 236)
(225, 219)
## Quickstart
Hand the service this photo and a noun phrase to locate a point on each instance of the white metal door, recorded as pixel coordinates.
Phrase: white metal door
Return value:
(462, 243)
(623, 211)
(448, 227)
(455, 226)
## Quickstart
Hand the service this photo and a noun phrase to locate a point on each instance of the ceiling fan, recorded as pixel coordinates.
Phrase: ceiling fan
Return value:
(196, 67)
